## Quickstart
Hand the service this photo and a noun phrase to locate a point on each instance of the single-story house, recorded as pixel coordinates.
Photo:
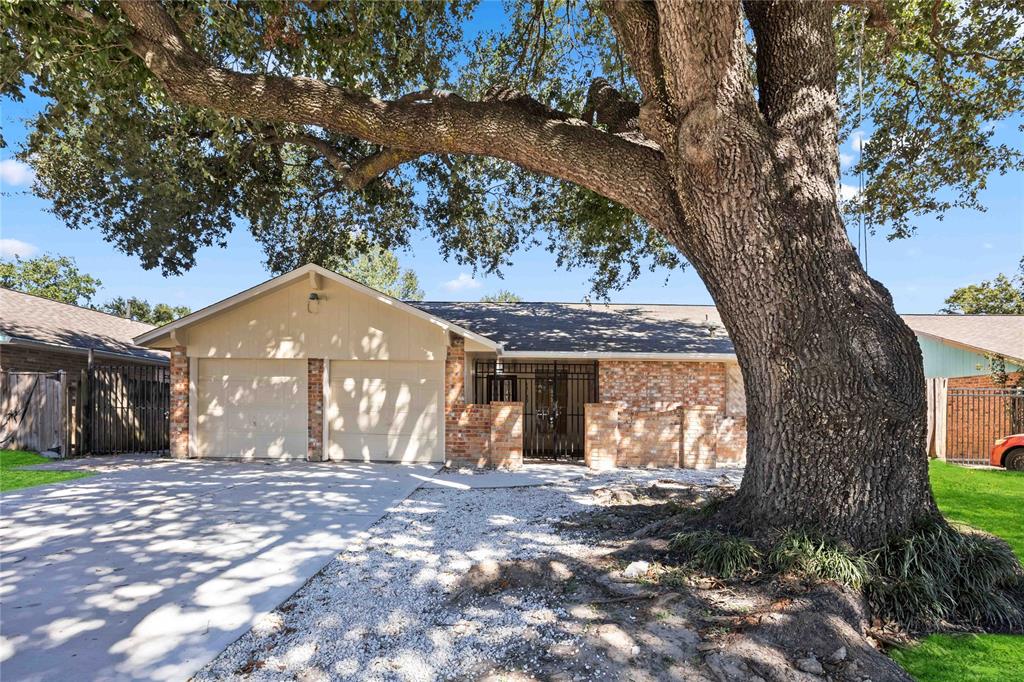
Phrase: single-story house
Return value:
(41, 335)
(312, 365)
(960, 345)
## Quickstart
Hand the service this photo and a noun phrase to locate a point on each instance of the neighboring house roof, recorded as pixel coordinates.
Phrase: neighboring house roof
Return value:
(32, 320)
(165, 334)
(996, 334)
(598, 329)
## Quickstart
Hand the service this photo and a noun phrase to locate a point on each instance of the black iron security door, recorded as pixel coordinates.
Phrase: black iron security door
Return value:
(553, 395)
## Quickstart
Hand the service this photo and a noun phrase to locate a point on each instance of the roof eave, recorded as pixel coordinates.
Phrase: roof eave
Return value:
(78, 350)
(618, 355)
(967, 346)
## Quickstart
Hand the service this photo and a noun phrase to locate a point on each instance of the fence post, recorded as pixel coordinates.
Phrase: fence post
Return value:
(84, 414)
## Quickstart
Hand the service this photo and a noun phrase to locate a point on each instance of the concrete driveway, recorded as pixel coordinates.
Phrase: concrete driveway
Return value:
(149, 571)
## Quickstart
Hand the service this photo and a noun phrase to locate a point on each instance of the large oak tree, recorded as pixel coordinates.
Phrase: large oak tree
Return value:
(619, 133)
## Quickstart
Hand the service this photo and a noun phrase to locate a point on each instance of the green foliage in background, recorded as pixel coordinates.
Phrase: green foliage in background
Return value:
(54, 277)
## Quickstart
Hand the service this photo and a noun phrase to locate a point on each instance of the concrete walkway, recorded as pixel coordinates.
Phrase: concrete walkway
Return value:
(149, 570)
(529, 475)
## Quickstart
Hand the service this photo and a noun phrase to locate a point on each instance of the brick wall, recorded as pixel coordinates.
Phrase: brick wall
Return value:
(656, 386)
(731, 446)
(649, 439)
(35, 359)
(666, 414)
(179, 402)
(984, 381)
(600, 435)
(315, 409)
(506, 451)
(699, 438)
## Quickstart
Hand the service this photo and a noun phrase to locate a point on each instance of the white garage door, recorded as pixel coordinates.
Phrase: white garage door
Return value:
(253, 409)
(385, 411)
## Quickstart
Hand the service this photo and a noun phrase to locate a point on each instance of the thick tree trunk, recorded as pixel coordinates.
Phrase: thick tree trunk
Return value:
(834, 386)
(834, 382)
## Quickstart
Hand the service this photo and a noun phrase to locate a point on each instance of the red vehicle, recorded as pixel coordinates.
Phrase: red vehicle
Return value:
(1009, 452)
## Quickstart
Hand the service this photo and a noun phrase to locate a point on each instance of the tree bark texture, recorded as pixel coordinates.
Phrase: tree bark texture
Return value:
(744, 185)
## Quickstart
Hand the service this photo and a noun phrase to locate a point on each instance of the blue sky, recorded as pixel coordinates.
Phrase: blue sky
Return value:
(964, 248)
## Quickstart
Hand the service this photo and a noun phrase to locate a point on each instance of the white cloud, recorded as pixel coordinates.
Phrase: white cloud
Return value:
(845, 160)
(14, 172)
(847, 192)
(988, 245)
(461, 283)
(9, 248)
(859, 139)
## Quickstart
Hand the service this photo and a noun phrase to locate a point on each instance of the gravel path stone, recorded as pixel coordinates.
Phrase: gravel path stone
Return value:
(387, 609)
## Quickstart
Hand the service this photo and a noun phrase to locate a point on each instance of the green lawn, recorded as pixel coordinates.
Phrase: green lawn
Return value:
(991, 500)
(963, 658)
(11, 479)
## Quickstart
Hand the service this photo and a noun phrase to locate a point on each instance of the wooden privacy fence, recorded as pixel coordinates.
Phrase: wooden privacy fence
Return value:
(106, 409)
(33, 411)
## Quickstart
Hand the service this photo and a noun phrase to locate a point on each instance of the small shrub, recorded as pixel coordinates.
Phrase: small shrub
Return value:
(817, 559)
(716, 553)
(939, 574)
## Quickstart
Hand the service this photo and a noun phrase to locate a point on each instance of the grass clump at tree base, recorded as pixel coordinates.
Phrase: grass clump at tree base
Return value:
(935, 577)
(716, 553)
(939, 575)
(817, 559)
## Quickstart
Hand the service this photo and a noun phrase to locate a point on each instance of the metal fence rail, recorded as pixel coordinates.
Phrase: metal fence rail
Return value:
(126, 409)
(976, 417)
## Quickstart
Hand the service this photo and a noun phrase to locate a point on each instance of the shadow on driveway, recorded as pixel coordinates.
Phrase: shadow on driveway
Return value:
(149, 572)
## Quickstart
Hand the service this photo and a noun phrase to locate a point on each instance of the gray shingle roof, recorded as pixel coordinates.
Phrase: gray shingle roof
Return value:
(644, 328)
(598, 328)
(1002, 334)
(24, 317)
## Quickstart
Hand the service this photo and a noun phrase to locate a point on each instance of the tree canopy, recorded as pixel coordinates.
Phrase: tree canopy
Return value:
(502, 296)
(54, 277)
(141, 310)
(938, 77)
(1001, 296)
(379, 269)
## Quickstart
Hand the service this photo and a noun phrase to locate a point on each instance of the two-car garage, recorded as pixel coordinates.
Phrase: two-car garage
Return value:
(311, 366)
(376, 410)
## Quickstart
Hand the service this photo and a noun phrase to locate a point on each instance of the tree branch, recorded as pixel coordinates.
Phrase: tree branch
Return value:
(635, 24)
(354, 175)
(523, 132)
(796, 95)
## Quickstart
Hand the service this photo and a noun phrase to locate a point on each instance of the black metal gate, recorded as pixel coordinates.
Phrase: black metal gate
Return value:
(553, 395)
(124, 408)
(977, 417)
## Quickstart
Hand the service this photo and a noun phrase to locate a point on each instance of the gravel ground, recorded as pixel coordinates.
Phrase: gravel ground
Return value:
(385, 609)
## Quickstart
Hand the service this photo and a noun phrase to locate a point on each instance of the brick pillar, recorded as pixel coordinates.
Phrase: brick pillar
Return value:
(315, 409)
(700, 440)
(179, 402)
(506, 435)
(467, 428)
(600, 435)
